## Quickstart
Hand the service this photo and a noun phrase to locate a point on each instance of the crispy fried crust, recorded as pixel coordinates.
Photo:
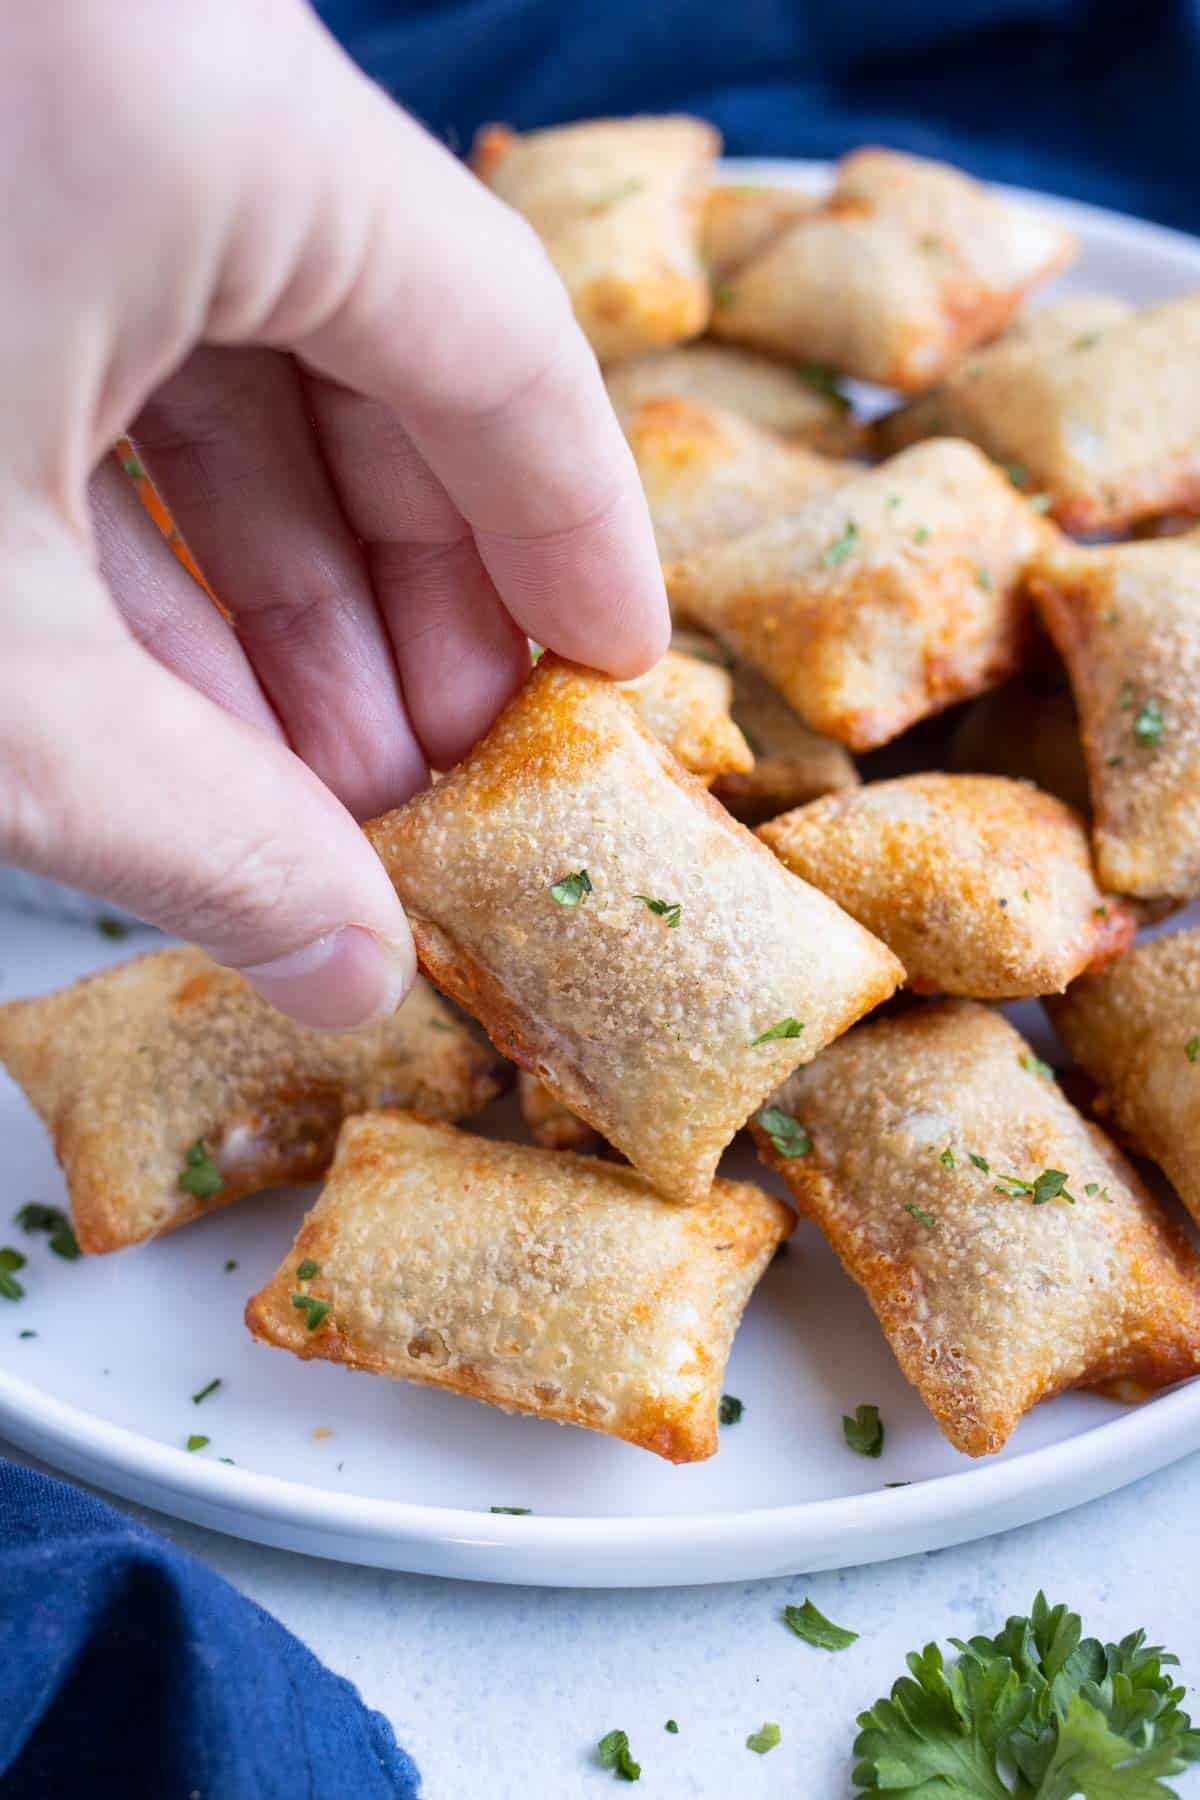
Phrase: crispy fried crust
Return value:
(981, 886)
(642, 1027)
(906, 265)
(1132, 1028)
(774, 396)
(617, 203)
(990, 1302)
(741, 221)
(550, 1123)
(129, 1068)
(685, 702)
(1126, 620)
(538, 1281)
(885, 602)
(792, 763)
(1030, 733)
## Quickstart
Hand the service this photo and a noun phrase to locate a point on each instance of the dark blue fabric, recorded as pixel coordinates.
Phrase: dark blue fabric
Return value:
(1091, 98)
(129, 1671)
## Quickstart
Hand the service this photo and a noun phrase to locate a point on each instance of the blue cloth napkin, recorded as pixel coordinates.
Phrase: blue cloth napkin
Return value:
(129, 1671)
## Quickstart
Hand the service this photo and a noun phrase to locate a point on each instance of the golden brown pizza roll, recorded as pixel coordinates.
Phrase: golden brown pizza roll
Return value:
(1029, 732)
(550, 1123)
(1135, 1029)
(618, 205)
(538, 1281)
(685, 701)
(617, 933)
(1008, 1248)
(1126, 620)
(792, 763)
(170, 1088)
(982, 886)
(709, 476)
(801, 403)
(879, 604)
(1094, 406)
(906, 265)
(740, 221)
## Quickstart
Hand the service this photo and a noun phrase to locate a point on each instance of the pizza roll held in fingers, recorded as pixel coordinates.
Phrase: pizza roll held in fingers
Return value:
(792, 763)
(618, 204)
(805, 404)
(538, 1281)
(982, 886)
(906, 265)
(1135, 1029)
(1126, 620)
(550, 1123)
(1008, 1248)
(709, 475)
(617, 933)
(170, 1088)
(1092, 404)
(685, 702)
(879, 604)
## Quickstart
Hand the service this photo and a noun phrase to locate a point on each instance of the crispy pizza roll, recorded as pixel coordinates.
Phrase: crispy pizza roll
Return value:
(1091, 404)
(803, 404)
(1135, 1029)
(709, 475)
(1126, 620)
(538, 1281)
(884, 602)
(905, 266)
(549, 1122)
(618, 204)
(1008, 1248)
(982, 886)
(792, 763)
(170, 1088)
(617, 933)
(1028, 732)
(741, 220)
(685, 701)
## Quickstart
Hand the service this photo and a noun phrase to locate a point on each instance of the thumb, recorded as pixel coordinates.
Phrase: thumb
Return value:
(119, 778)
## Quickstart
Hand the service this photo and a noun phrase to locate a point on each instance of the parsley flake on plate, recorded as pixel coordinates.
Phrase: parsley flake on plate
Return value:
(27, 1333)
(54, 1222)
(612, 1752)
(669, 910)
(671, 1726)
(816, 1629)
(570, 890)
(788, 1137)
(209, 1388)
(865, 1431)
(920, 1215)
(314, 1310)
(516, 1511)
(730, 1409)
(10, 1261)
(230, 1265)
(782, 1028)
(108, 927)
(841, 546)
(307, 1269)
(200, 1174)
(198, 1441)
(764, 1739)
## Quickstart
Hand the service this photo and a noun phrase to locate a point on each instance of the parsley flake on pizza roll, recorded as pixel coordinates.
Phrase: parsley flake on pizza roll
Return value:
(617, 933)
(170, 1088)
(982, 886)
(685, 701)
(1135, 1029)
(1008, 1248)
(805, 404)
(1126, 621)
(792, 763)
(906, 265)
(618, 204)
(538, 1281)
(886, 601)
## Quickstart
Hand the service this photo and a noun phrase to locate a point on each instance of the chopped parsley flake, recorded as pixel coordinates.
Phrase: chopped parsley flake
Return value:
(920, 535)
(671, 1726)
(864, 1432)
(669, 910)
(134, 467)
(947, 1158)
(981, 1162)
(1086, 341)
(1017, 473)
(612, 1752)
(571, 889)
(822, 380)
(198, 1442)
(314, 1310)
(788, 1137)
(10, 1261)
(200, 1174)
(108, 927)
(1036, 1066)
(1125, 697)
(230, 1265)
(816, 1629)
(920, 1215)
(984, 578)
(1050, 1184)
(307, 1269)
(1148, 726)
(782, 1028)
(764, 1739)
(209, 1388)
(27, 1333)
(1040, 502)
(516, 1511)
(841, 547)
(730, 1409)
(1192, 1049)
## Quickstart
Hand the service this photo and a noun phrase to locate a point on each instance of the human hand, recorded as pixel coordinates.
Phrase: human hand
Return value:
(357, 382)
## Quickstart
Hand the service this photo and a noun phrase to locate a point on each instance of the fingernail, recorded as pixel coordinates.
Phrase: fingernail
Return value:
(349, 977)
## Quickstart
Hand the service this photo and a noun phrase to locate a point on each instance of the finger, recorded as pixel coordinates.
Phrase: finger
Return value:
(229, 441)
(233, 843)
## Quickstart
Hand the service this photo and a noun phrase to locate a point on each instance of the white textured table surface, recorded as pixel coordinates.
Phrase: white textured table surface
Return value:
(505, 1691)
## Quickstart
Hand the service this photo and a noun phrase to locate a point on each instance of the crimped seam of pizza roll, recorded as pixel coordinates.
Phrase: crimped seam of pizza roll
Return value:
(170, 1088)
(804, 404)
(1008, 1248)
(685, 701)
(538, 1281)
(617, 933)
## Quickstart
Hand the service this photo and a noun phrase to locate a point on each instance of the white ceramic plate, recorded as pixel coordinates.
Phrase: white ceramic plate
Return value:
(372, 1471)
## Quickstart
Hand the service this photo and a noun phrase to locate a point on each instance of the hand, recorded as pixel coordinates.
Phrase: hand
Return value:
(357, 382)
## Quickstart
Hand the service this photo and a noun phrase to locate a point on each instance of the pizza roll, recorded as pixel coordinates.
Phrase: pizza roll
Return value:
(709, 476)
(981, 886)
(1008, 1248)
(685, 702)
(171, 1089)
(617, 933)
(905, 266)
(741, 221)
(804, 404)
(792, 763)
(538, 1281)
(879, 604)
(1135, 1029)
(618, 205)
(549, 1122)
(1030, 733)
(1093, 405)
(1126, 620)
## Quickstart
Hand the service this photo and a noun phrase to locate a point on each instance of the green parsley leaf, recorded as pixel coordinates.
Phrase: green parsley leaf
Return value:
(788, 1137)
(314, 1310)
(663, 909)
(864, 1432)
(226, 1459)
(27, 1333)
(307, 1269)
(1192, 1048)
(920, 1215)
(198, 1442)
(822, 380)
(1040, 502)
(671, 1726)
(1086, 341)
(612, 1752)
(1017, 473)
(33, 1216)
(920, 535)
(763, 1740)
(981, 1162)
(230, 1265)
(209, 1388)
(134, 467)
(64, 1243)
(1148, 726)
(782, 1028)
(1125, 697)
(1090, 1188)
(516, 1511)
(200, 1174)
(730, 1409)
(571, 889)
(1049, 1185)
(10, 1261)
(1036, 1066)
(108, 927)
(947, 1158)
(984, 578)
(816, 1629)
(841, 547)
